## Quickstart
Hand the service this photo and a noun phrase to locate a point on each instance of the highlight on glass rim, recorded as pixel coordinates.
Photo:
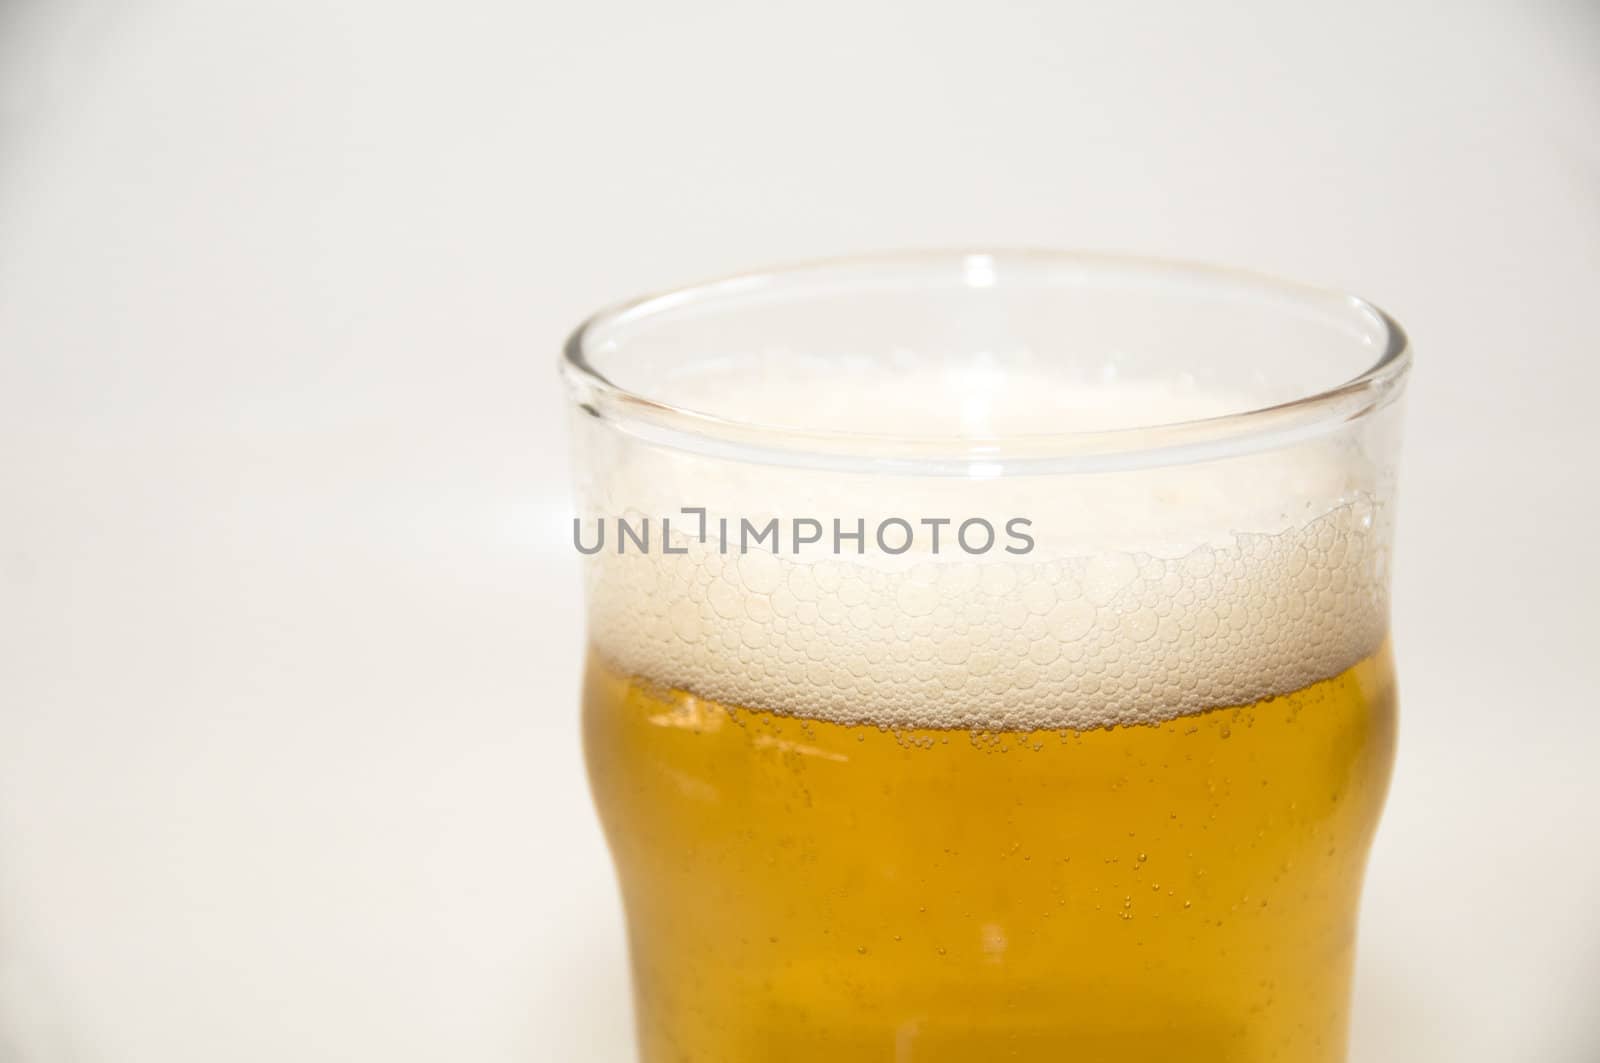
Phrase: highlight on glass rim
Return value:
(1108, 798)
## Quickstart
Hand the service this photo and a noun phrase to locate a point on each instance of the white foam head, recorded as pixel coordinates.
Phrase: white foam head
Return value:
(1146, 595)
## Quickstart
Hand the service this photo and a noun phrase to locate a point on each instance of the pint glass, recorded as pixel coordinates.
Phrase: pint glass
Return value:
(988, 656)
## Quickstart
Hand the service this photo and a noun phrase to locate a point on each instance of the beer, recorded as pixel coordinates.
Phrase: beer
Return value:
(802, 890)
(989, 658)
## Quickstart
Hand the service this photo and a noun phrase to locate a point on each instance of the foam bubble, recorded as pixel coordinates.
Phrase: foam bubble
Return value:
(1148, 595)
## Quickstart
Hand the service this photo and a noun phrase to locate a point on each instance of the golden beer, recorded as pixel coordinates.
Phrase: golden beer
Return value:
(800, 890)
(989, 657)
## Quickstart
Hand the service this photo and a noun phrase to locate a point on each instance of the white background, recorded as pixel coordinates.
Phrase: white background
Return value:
(289, 633)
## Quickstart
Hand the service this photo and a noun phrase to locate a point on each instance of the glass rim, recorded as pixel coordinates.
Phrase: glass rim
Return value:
(1177, 442)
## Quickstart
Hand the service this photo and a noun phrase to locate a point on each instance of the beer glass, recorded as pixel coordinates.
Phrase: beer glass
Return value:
(989, 656)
